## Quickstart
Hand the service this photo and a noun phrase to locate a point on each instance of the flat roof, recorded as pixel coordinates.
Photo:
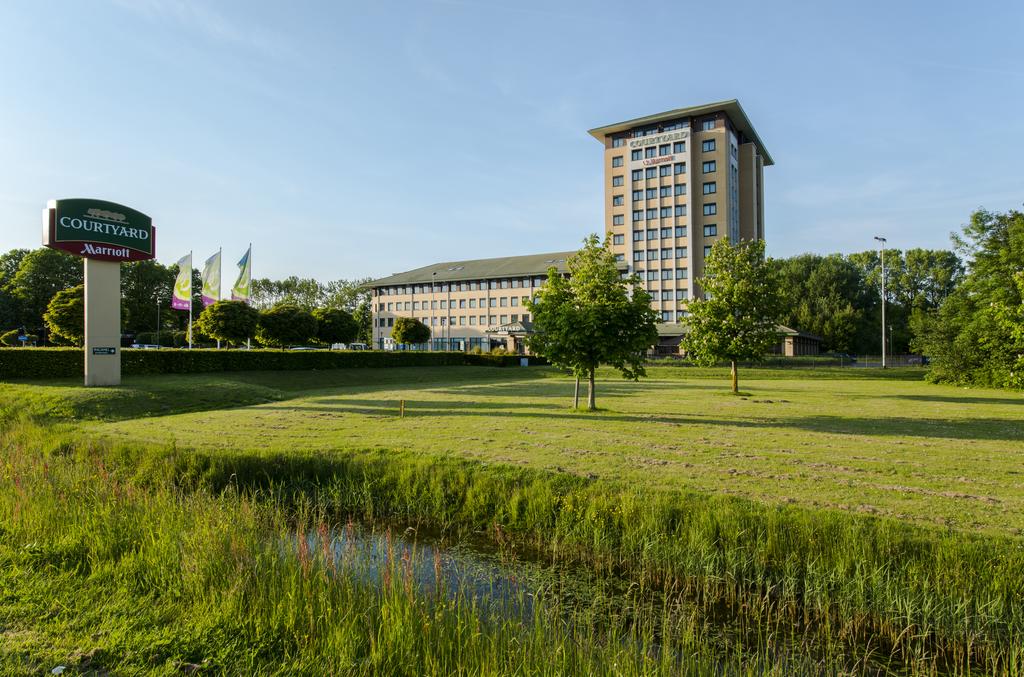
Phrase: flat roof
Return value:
(479, 269)
(732, 108)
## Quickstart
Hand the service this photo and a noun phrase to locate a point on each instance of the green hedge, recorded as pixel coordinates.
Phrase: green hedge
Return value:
(34, 363)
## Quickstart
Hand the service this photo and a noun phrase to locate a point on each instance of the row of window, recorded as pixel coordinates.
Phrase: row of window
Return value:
(460, 320)
(471, 285)
(658, 213)
(665, 253)
(667, 169)
(443, 304)
(619, 140)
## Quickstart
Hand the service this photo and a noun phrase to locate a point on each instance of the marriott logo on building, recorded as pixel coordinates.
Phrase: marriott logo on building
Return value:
(98, 229)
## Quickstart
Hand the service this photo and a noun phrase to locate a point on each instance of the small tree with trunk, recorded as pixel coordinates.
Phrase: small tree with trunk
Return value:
(737, 319)
(286, 324)
(230, 321)
(410, 331)
(65, 315)
(592, 317)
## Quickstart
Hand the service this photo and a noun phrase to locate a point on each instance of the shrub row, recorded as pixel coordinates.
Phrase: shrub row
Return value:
(35, 363)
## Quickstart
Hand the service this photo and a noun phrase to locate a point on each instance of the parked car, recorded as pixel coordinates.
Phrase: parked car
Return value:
(304, 348)
(358, 346)
(146, 346)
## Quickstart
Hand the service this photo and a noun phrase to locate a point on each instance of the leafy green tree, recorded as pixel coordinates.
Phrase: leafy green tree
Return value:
(335, 325)
(973, 337)
(346, 294)
(144, 286)
(10, 307)
(10, 338)
(303, 292)
(65, 315)
(364, 320)
(286, 324)
(231, 321)
(737, 319)
(410, 331)
(593, 317)
(41, 274)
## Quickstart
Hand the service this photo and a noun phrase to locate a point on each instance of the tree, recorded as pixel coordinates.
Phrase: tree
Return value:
(41, 274)
(286, 324)
(593, 317)
(65, 315)
(144, 286)
(303, 292)
(10, 338)
(410, 331)
(974, 336)
(737, 319)
(229, 321)
(346, 294)
(364, 320)
(335, 325)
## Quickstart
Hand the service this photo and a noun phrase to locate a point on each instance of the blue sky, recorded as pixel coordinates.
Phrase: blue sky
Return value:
(360, 139)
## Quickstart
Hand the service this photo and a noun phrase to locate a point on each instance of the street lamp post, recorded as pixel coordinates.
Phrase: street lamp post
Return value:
(881, 245)
(433, 281)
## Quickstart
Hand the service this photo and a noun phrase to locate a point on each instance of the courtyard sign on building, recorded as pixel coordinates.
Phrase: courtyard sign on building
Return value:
(104, 234)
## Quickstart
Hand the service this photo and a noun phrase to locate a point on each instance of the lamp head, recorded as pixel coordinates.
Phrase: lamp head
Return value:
(880, 239)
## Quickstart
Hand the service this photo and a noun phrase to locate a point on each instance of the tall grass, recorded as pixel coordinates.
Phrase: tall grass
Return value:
(175, 555)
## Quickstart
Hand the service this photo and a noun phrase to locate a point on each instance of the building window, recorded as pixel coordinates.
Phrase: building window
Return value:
(680, 189)
(666, 232)
(638, 195)
(483, 319)
(638, 174)
(618, 200)
(682, 294)
(618, 141)
(492, 302)
(617, 161)
(666, 253)
(618, 239)
(680, 210)
(472, 303)
(652, 214)
(682, 273)
(618, 220)
(503, 302)
(710, 187)
(637, 154)
(472, 319)
(638, 255)
(650, 152)
(638, 236)
(666, 274)
(638, 215)
(620, 257)
(664, 149)
(504, 284)
(513, 301)
(707, 125)
(710, 209)
(710, 230)
(462, 303)
(665, 191)
(679, 147)
(651, 173)
(652, 233)
(665, 170)
(504, 319)
(666, 295)
(652, 254)
(679, 168)
(652, 275)
(665, 212)
(492, 284)
(709, 166)
(617, 180)
(666, 316)
(652, 193)
(515, 283)
(680, 231)
(708, 146)
(707, 251)
(680, 252)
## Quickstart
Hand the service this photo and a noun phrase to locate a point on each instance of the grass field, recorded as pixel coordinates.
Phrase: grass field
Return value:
(867, 515)
(892, 446)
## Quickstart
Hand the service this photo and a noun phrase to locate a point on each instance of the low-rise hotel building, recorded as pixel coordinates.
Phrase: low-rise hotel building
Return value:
(674, 184)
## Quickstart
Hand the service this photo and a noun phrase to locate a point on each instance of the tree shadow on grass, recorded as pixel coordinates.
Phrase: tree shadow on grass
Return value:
(975, 428)
(966, 399)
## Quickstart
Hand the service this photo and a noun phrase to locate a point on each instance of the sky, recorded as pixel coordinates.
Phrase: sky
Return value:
(358, 139)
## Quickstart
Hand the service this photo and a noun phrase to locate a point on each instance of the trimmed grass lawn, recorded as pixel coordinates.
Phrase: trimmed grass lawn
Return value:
(884, 443)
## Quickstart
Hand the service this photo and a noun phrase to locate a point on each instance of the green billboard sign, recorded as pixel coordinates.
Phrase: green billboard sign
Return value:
(98, 229)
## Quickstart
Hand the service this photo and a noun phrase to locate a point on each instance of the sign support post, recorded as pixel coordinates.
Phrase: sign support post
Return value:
(102, 323)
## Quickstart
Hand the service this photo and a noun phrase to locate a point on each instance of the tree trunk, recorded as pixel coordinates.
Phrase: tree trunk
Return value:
(576, 394)
(591, 405)
(735, 378)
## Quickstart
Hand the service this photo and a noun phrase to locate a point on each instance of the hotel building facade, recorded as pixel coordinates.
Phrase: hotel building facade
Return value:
(674, 184)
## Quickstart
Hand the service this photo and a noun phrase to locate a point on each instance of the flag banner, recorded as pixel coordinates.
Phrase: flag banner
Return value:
(211, 280)
(241, 290)
(182, 297)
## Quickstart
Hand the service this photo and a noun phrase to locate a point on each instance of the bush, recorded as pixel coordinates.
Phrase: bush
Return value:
(229, 321)
(286, 324)
(40, 363)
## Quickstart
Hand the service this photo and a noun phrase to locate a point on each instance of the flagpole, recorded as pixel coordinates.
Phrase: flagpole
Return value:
(220, 269)
(248, 341)
(190, 300)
